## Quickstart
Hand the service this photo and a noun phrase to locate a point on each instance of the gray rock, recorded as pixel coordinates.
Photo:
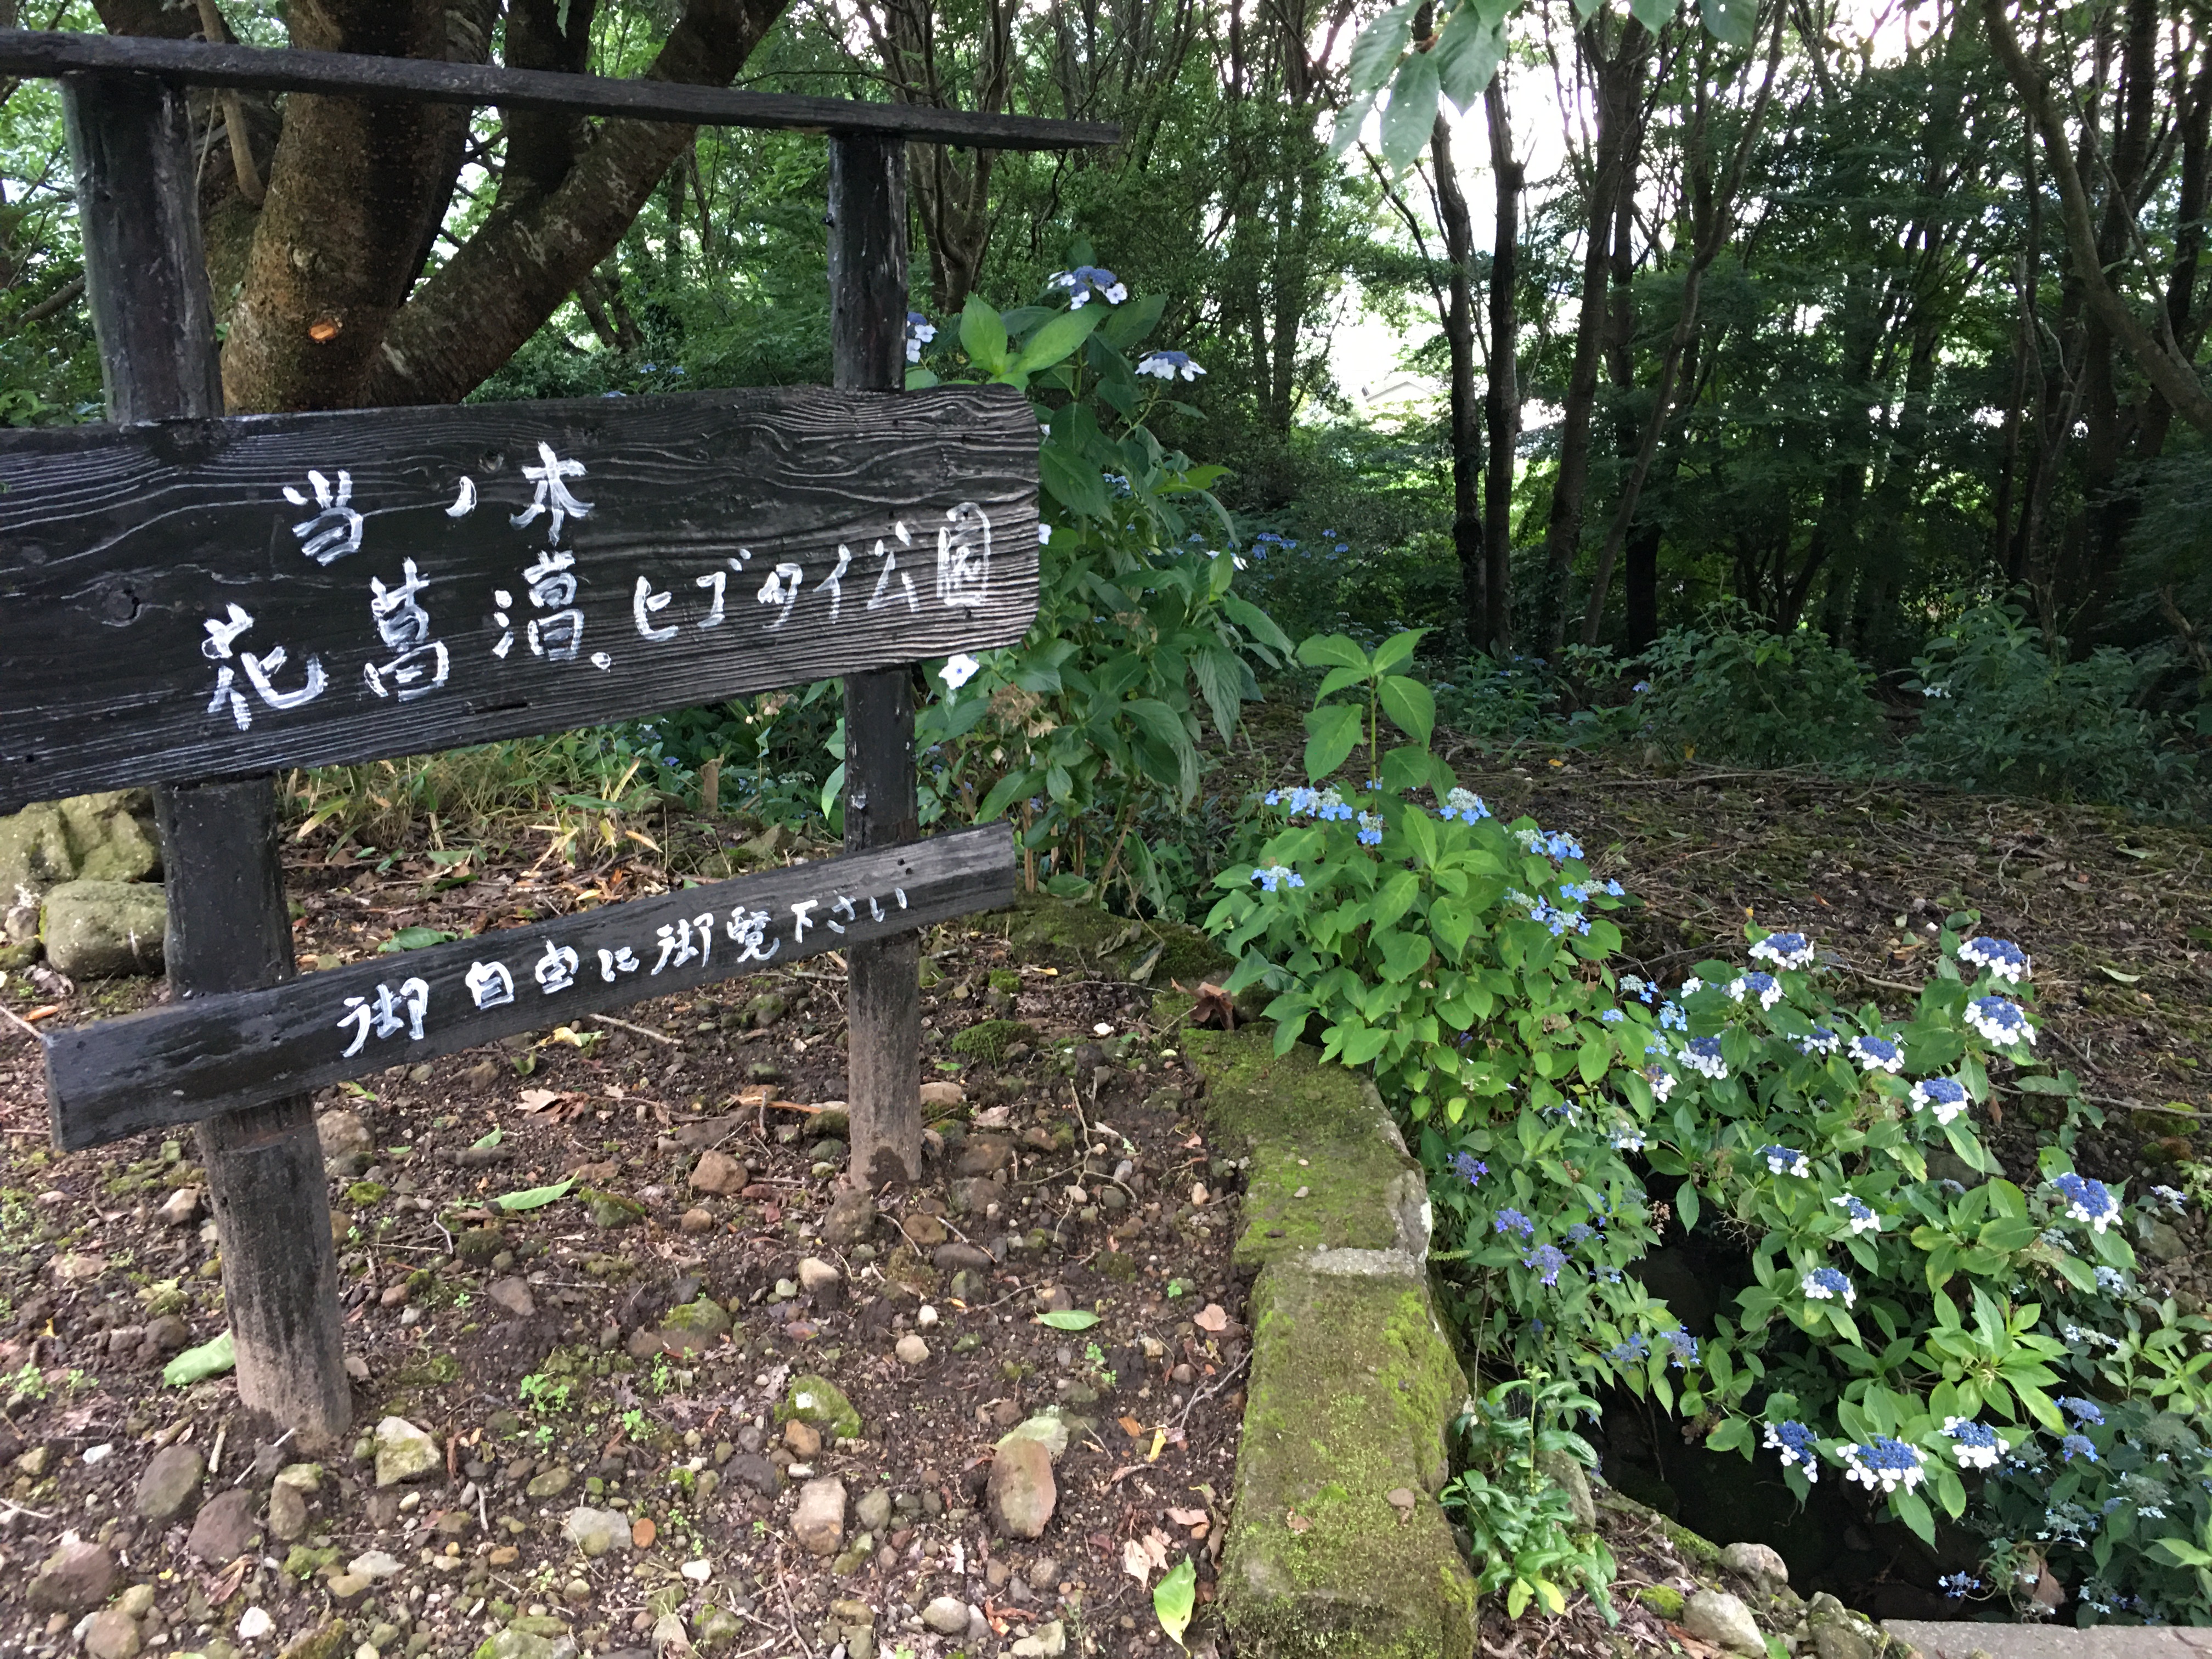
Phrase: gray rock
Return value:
(819, 1280)
(873, 1511)
(181, 1209)
(718, 1172)
(550, 1484)
(1759, 1563)
(405, 1452)
(2159, 1241)
(851, 1221)
(1716, 1616)
(171, 1483)
(375, 1565)
(113, 1634)
(1571, 1478)
(947, 1616)
(975, 1194)
(1048, 1641)
(513, 1295)
(225, 1528)
(596, 1531)
(343, 1131)
(1022, 1493)
(757, 1473)
(1837, 1634)
(167, 1334)
(287, 1512)
(102, 929)
(75, 1578)
(911, 1350)
(819, 1523)
(955, 1257)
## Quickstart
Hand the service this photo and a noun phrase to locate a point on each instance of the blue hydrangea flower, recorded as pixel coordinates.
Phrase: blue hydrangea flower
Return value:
(1884, 1462)
(1999, 958)
(1084, 282)
(1784, 1160)
(1575, 892)
(1702, 1055)
(1822, 1041)
(1671, 1016)
(1976, 1445)
(1371, 828)
(1877, 1054)
(1612, 1017)
(1862, 1220)
(1333, 808)
(1512, 1221)
(1691, 987)
(2076, 1445)
(2081, 1410)
(1626, 1137)
(1170, 365)
(2112, 1280)
(2089, 1202)
(1765, 986)
(1640, 687)
(1685, 1346)
(1465, 805)
(1795, 1444)
(1957, 1584)
(920, 332)
(1783, 950)
(1947, 1098)
(2173, 1200)
(1545, 1262)
(1634, 1349)
(1826, 1285)
(1614, 890)
(1469, 1168)
(1999, 1020)
(1274, 876)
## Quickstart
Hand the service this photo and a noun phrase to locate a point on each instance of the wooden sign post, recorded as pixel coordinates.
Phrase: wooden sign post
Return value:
(196, 601)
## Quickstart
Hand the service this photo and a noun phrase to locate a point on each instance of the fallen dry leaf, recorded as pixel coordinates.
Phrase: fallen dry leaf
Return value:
(1131, 1427)
(1215, 1009)
(1188, 1517)
(1136, 1562)
(1211, 1318)
(1296, 1522)
(537, 1100)
(642, 1531)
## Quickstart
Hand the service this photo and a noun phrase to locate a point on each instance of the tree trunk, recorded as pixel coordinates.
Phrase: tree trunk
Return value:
(1619, 76)
(1458, 227)
(1503, 404)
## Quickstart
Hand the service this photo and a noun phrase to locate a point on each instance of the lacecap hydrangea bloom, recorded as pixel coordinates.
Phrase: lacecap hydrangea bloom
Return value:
(2089, 1202)
(1999, 1020)
(1783, 950)
(1786, 1160)
(1469, 1168)
(920, 332)
(1545, 1262)
(1273, 876)
(1512, 1221)
(1085, 281)
(1884, 1462)
(1702, 1055)
(1464, 804)
(1877, 1054)
(1862, 1220)
(1170, 365)
(1662, 1084)
(1940, 1094)
(1998, 957)
(1976, 1445)
(1821, 1040)
(2081, 1410)
(1765, 986)
(1794, 1442)
(1826, 1285)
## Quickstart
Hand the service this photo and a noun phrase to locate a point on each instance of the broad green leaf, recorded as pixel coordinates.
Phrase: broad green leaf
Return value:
(1380, 45)
(1056, 341)
(1652, 13)
(1731, 22)
(1398, 648)
(1410, 705)
(1349, 120)
(1686, 1206)
(1075, 483)
(1411, 113)
(485, 1143)
(1256, 623)
(1069, 1319)
(1331, 731)
(535, 1198)
(1468, 53)
(208, 1360)
(983, 335)
(415, 938)
(1332, 650)
(1174, 1598)
(1127, 326)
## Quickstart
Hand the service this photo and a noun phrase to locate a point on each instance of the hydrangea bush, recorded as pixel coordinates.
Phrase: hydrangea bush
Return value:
(1948, 1340)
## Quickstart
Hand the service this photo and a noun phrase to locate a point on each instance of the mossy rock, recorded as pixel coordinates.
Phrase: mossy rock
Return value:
(1056, 932)
(327, 1640)
(1666, 1603)
(611, 1209)
(817, 1400)
(1352, 1384)
(989, 1040)
(364, 1193)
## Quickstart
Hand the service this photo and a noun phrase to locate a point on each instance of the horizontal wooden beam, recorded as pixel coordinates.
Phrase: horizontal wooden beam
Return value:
(188, 1061)
(194, 599)
(346, 75)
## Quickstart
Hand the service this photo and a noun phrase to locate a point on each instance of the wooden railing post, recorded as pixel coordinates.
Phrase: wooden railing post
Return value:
(883, 998)
(145, 278)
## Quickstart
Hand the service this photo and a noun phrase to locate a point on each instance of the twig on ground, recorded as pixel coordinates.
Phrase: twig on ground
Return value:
(641, 1030)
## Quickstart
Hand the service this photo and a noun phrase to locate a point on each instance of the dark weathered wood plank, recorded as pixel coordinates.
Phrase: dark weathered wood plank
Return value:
(176, 1064)
(903, 526)
(29, 53)
(883, 1002)
(129, 142)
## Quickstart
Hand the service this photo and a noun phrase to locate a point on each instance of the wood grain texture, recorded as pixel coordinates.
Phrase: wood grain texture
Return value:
(176, 1064)
(119, 546)
(31, 53)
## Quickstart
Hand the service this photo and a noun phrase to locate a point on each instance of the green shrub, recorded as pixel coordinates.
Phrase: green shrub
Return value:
(2007, 710)
(1729, 688)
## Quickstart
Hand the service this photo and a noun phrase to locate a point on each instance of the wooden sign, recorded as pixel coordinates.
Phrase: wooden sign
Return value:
(206, 598)
(177, 1064)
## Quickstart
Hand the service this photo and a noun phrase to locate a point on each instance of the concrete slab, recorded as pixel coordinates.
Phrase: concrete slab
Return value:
(1940, 1639)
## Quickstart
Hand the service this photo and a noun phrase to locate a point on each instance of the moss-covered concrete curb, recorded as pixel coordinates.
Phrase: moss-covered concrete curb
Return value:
(1337, 1544)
